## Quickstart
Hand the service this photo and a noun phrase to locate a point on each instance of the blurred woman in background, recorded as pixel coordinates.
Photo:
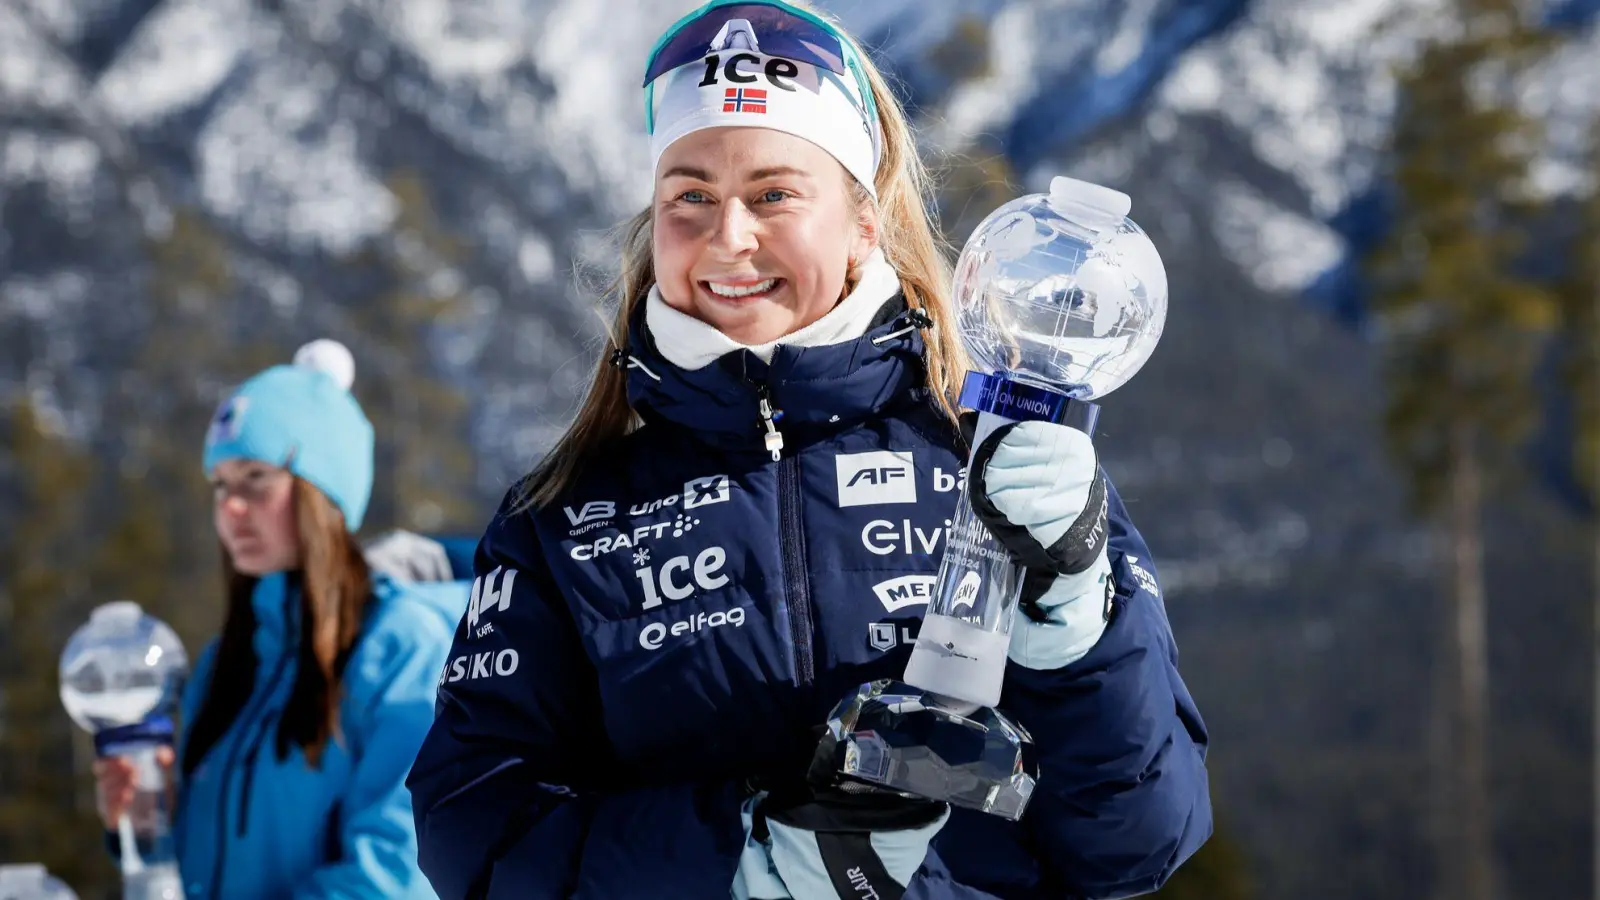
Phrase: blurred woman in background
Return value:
(301, 719)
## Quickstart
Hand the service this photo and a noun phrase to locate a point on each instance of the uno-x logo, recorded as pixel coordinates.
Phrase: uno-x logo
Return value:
(487, 596)
(705, 491)
(881, 476)
(697, 492)
(592, 511)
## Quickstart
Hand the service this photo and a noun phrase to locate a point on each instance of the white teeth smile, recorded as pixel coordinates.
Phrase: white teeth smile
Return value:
(728, 290)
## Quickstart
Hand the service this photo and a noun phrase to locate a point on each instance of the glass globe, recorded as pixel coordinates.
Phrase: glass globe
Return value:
(121, 667)
(1062, 290)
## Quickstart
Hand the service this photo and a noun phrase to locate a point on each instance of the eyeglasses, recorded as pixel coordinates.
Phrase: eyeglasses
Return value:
(783, 31)
(255, 487)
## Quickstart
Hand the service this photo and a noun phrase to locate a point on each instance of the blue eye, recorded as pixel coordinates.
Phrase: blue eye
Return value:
(693, 196)
(774, 196)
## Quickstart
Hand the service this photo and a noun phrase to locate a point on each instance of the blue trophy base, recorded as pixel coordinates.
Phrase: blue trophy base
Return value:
(902, 738)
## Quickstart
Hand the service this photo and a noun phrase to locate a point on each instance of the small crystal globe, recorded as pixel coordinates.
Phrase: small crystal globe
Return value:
(121, 667)
(1062, 290)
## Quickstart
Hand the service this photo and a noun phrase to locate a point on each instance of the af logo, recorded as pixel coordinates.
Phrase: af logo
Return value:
(880, 476)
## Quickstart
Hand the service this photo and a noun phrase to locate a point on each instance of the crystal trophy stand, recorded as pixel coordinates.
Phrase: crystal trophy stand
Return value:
(1060, 300)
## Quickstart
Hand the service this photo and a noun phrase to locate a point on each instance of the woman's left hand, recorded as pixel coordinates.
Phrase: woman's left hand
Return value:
(827, 842)
(1039, 488)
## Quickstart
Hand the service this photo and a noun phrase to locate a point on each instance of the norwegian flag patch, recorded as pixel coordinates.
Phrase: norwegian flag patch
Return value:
(750, 100)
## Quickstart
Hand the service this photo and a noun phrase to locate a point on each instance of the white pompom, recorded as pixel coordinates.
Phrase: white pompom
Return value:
(329, 357)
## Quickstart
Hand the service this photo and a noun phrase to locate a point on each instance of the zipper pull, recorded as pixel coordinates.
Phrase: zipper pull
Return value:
(769, 418)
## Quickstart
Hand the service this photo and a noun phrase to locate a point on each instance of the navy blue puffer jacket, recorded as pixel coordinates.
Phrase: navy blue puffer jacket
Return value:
(682, 621)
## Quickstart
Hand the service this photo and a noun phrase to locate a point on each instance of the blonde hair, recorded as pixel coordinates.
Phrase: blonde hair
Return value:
(907, 233)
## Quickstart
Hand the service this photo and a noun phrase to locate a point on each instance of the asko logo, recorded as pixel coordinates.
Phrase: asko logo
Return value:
(475, 666)
(877, 477)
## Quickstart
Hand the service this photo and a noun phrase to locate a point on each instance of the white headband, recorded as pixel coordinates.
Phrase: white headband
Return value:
(749, 90)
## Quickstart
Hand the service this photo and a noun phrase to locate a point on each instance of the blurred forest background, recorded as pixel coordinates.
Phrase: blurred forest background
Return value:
(1365, 454)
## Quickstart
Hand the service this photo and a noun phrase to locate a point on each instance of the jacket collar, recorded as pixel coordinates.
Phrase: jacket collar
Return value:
(808, 387)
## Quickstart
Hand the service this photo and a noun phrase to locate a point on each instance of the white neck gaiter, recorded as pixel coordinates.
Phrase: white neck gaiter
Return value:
(690, 344)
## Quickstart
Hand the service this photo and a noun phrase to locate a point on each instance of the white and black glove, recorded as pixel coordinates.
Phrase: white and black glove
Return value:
(408, 556)
(1039, 488)
(826, 842)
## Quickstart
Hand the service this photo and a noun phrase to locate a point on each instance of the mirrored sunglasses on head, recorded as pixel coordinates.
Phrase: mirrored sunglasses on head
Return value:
(777, 29)
(769, 27)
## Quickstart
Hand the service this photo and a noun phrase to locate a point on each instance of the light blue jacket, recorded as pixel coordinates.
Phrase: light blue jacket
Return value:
(248, 825)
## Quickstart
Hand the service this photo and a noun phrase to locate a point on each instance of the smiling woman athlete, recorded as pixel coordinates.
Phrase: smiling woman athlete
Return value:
(741, 524)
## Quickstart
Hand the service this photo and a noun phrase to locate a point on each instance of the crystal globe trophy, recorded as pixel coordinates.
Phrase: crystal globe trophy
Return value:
(121, 676)
(1060, 299)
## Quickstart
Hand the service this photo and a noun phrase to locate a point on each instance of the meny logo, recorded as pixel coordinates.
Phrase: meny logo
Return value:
(880, 476)
(907, 590)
